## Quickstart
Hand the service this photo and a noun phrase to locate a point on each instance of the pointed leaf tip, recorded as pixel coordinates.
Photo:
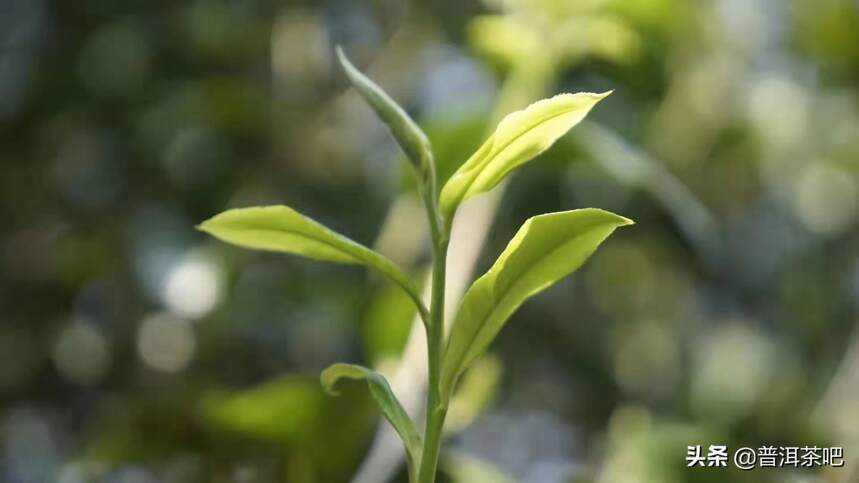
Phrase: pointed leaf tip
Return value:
(547, 248)
(518, 138)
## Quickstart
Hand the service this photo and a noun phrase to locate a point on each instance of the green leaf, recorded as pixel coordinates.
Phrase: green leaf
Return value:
(386, 324)
(280, 410)
(388, 403)
(406, 132)
(547, 248)
(519, 137)
(282, 229)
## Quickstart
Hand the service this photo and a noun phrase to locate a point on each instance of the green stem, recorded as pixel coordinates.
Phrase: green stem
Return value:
(428, 193)
(436, 409)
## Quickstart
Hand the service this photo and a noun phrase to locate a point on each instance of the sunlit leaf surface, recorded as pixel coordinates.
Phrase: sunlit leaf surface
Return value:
(519, 137)
(282, 229)
(547, 248)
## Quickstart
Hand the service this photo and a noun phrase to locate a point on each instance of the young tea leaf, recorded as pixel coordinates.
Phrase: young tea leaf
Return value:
(282, 229)
(519, 137)
(547, 248)
(388, 404)
(408, 135)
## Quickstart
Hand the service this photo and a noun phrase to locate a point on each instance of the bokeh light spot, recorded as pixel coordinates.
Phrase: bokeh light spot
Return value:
(166, 343)
(192, 288)
(826, 198)
(731, 367)
(81, 353)
(646, 360)
(779, 109)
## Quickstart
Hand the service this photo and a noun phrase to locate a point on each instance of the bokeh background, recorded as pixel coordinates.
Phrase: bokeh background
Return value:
(133, 349)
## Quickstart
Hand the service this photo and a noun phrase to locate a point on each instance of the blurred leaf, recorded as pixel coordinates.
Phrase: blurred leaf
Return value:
(519, 137)
(827, 30)
(463, 468)
(388, 404)
(408, 135)
(656, 18)
(292, 413)
(387, 324)
(281, 410)
(605, 36)
(282, 229)
(506, 39)
(475, 393)
(547, 248)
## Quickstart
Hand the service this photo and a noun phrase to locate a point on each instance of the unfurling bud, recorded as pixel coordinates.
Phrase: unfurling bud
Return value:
(408, 135)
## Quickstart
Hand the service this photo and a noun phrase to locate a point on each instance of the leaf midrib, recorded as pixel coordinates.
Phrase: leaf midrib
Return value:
(313, 238)
(490, 156)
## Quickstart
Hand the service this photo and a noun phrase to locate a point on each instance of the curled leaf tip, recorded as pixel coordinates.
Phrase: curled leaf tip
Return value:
(330, 390)
(327, 379)
(330, 376)
(385, 399)
(341, 55)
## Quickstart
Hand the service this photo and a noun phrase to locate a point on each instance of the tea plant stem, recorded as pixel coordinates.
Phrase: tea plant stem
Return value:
(436, 407)
(428, 191)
